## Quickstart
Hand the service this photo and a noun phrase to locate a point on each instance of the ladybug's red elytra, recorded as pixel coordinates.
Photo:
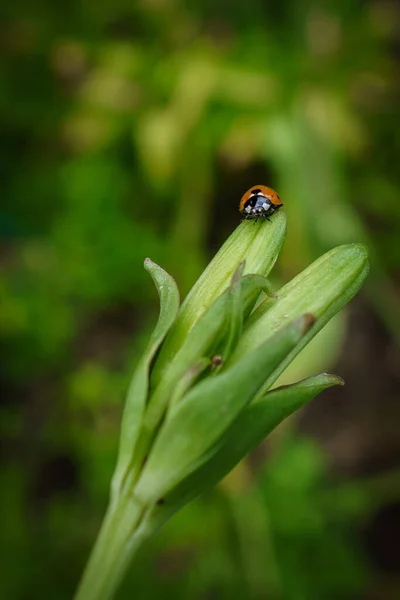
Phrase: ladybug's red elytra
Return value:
(259, 201)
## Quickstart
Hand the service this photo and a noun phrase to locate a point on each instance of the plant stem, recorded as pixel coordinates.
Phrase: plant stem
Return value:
(117, 542)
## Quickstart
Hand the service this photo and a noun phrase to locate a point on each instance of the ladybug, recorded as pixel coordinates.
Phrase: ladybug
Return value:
(259, 201)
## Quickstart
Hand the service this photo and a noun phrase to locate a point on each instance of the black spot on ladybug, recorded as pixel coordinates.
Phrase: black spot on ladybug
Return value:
(252, 201)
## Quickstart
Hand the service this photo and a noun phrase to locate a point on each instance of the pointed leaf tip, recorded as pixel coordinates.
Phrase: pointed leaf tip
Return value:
(334, 379)
(308, 321)
(239, 272)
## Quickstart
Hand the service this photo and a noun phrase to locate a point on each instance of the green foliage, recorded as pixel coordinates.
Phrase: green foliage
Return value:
(299, 520)
(187, 434)
(131, 130)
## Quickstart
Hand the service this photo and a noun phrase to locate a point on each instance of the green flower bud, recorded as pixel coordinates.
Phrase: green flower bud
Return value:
(322, 290)
(257, 244)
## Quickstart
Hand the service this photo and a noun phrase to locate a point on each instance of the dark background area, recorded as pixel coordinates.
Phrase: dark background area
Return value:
(131, 129)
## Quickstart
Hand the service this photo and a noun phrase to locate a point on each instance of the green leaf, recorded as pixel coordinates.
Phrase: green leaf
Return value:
(197, 423)
(258, 243)
(138, 389)
(251, 427)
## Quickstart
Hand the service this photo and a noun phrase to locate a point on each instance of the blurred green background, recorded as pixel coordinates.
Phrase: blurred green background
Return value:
(131, 129)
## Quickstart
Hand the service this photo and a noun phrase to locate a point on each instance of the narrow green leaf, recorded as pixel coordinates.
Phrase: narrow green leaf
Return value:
(197, 423)
(138, 389)
(251, 427)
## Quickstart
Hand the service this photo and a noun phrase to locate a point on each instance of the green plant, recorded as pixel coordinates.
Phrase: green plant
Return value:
(201, 398)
